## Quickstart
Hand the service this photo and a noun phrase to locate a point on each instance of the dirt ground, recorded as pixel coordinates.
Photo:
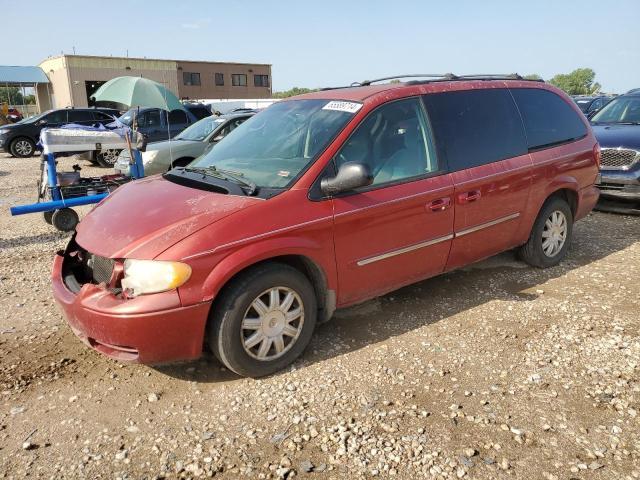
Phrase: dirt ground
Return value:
(494, 371)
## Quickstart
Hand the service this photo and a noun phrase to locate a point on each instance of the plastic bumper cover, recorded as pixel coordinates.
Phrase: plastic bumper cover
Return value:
(147, 329)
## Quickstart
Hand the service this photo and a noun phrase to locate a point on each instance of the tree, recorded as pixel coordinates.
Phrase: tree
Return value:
(11, 95)
(293, 91)
(579, 82)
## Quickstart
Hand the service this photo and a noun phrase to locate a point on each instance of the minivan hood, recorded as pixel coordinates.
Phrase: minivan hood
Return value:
(613, 136)
(147, 216)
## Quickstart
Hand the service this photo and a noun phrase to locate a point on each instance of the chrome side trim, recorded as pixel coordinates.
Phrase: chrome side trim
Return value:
(400, 251)
(486, 225)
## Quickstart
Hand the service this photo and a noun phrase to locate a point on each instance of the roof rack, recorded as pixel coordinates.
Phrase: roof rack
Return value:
(443, 76)
(439, 77)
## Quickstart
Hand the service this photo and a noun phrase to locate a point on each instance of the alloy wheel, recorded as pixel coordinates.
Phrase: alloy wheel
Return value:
(272, 323)
(110, 156)
(554, 234)
(23, 148)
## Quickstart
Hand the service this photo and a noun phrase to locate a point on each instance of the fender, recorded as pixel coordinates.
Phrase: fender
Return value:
(561, 182)
(265, 250)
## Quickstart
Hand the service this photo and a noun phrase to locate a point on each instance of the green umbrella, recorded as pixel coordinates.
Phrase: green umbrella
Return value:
(137, 92)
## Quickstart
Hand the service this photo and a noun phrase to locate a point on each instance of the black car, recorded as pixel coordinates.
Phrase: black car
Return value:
(591, 104)
(617, 128)
(20, 139)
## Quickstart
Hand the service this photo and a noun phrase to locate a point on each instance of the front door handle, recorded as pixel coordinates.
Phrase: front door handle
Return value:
(439, 205)
(470, 196)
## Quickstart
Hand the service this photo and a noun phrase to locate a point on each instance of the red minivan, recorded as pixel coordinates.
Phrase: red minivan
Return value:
(323, 201)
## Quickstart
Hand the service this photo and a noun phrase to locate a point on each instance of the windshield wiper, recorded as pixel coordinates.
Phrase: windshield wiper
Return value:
(223, 175)
(236, 177)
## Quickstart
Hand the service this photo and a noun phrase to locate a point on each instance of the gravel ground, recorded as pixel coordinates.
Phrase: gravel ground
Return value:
(494, 371)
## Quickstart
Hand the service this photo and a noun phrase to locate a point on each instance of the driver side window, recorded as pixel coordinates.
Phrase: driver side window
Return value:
(394, 141)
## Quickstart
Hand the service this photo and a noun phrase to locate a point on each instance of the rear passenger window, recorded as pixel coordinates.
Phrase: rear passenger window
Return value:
(548, 119)
(475, 127)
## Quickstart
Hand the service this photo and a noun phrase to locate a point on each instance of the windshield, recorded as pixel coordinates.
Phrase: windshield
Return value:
(127, 117)
(583, 103)
(35, 118)
(201, 129)
(273, 147)
(620, 110)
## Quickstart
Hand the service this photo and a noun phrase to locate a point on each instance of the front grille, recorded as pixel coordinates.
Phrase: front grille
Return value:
(101, 268)
(619, 158)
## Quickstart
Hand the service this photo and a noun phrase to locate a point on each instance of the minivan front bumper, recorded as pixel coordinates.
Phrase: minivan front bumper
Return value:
(148, 329)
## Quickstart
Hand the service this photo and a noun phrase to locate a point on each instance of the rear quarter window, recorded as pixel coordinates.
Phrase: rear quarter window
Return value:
(475, 127)
(548, 119)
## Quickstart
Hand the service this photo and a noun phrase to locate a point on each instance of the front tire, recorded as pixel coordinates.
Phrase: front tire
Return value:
(22, 147)
(263, 320)
(550, 236)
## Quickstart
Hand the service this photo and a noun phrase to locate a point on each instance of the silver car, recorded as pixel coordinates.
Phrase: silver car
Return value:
(189, 144)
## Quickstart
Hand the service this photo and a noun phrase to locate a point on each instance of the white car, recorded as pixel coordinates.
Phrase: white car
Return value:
(189, 144)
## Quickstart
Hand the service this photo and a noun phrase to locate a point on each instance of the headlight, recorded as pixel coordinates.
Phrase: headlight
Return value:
(153, 276)
(4, 131)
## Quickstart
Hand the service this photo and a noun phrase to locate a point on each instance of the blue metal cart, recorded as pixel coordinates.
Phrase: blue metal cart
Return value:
(60, 191)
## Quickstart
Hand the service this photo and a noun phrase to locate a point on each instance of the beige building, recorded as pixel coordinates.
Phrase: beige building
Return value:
(74, 78)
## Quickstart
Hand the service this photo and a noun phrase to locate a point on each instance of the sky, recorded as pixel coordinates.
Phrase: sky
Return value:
(337, 42)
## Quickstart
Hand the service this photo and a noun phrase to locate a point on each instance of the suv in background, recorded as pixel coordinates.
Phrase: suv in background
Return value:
(323, 201)
(591, 104)
(617, 128)
(20, 139)
(154, 123)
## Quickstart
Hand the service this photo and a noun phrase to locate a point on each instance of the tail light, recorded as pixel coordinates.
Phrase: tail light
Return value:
(597, 154)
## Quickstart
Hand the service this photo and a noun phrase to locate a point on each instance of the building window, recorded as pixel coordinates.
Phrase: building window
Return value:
(219, 79)
(191, 78)
(239, 80)
(261, 80)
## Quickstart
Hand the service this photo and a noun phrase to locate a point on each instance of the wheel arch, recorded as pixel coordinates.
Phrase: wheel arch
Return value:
(181, 161)
(299, 258)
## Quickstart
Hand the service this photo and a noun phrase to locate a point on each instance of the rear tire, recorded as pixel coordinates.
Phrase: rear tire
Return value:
(550, 236)
(65, 219)
(255, 342)
(22, 147)
(107, 158)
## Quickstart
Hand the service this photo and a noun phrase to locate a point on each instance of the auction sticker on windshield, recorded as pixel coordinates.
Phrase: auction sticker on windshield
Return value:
(349, 107)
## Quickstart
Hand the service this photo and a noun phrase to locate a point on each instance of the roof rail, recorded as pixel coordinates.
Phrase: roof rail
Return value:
(439, 77)
(442, 76)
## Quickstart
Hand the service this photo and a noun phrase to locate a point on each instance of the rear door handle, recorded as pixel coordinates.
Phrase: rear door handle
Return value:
(470, 196)
(439, 204)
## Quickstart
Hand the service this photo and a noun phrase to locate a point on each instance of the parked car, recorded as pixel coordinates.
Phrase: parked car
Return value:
(154, 123)
(192, 142)
(591, 104)
(20, 139)
(199, 110)
(323, 201)
(617, 128)
(14, 115)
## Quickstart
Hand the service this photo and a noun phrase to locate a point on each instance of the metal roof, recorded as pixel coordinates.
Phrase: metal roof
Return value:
(21, 75)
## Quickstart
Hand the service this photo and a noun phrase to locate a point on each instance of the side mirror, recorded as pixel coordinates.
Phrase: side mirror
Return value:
(42, 122)
(217, 138)
(350, 176)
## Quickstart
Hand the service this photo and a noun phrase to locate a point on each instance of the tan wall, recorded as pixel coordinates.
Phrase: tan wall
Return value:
(68, 74)
(82, 69)
(56, 70)
(208, 88)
